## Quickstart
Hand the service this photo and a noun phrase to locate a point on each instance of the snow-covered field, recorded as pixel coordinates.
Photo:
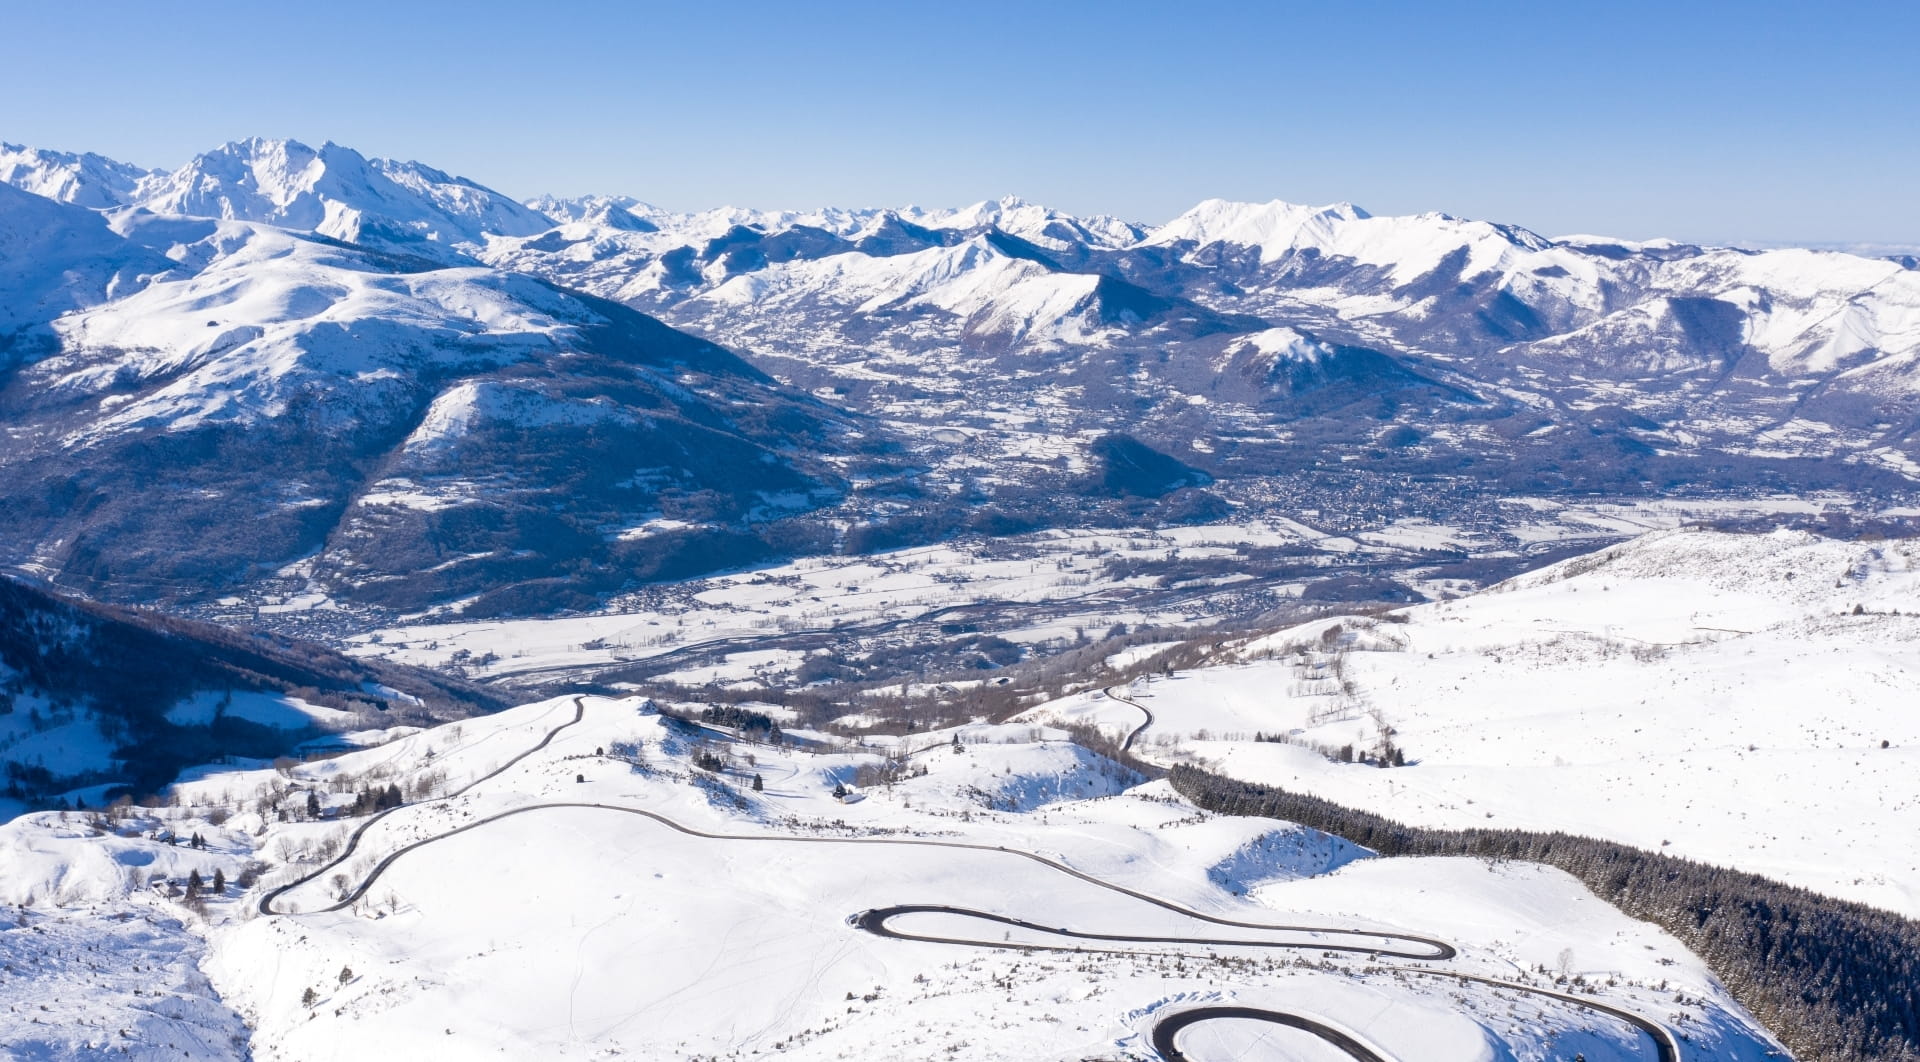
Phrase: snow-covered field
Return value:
(1744, 700)
(1075, 581)
(1068, 569)
(581, 891)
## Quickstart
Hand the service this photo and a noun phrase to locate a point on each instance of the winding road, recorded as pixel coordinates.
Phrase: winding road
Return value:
(353, 841)
(1127, 744)
(1169, 1027)
(875, 921)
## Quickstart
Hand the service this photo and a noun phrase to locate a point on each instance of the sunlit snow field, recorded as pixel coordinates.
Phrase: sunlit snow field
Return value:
(1713, 696)
(591, 932)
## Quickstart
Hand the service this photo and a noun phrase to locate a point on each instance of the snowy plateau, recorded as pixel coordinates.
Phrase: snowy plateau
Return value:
(441, 626)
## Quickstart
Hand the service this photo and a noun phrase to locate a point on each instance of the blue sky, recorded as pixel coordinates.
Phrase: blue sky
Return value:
(1756, 121)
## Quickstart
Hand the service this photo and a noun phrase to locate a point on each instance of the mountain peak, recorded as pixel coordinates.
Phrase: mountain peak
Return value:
(336, 191)
(1269, 224)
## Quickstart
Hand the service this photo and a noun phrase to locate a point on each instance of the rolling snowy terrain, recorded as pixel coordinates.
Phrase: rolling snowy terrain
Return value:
(1740, 700)
(577, 887)
(1044, 591)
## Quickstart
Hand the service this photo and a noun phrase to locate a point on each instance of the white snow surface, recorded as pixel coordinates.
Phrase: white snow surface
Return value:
(1805, 311)
(992, 292)
(589, 932)
(258, 315)
(1709, 695)
(332, 190)
(56, 258)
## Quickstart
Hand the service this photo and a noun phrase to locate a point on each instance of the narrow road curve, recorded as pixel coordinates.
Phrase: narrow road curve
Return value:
(1127, 745)
(875, 922)
(353, 841)
(1170, 1026)
(1666, 1046)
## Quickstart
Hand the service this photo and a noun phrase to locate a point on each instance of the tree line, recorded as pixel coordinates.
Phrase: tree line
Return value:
(1833, 979)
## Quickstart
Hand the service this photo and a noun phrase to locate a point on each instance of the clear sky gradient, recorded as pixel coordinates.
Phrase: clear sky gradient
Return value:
(1704, 121)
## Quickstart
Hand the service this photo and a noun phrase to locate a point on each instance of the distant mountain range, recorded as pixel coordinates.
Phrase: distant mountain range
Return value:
(333, 191)
(410, 390)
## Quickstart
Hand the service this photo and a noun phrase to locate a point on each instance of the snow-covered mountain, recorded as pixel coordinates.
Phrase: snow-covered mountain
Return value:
(1648, 361)
(332, 190)
(314, 401)
(86, 180)
(1000, 293)
(1289, 353)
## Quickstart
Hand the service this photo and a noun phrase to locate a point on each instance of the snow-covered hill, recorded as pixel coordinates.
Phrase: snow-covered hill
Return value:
(54, 259)
(562, 881)
(1742, 700)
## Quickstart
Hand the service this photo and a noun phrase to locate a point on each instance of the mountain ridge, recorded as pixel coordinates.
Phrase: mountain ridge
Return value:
(1286, 353)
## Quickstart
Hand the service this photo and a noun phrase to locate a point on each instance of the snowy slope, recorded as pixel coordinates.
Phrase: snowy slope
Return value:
(115, 980)
(273, 312)
(686, 915)
(327, 357)
(93, 698)
(56, 258)
(1713, 696)
(991, 293)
